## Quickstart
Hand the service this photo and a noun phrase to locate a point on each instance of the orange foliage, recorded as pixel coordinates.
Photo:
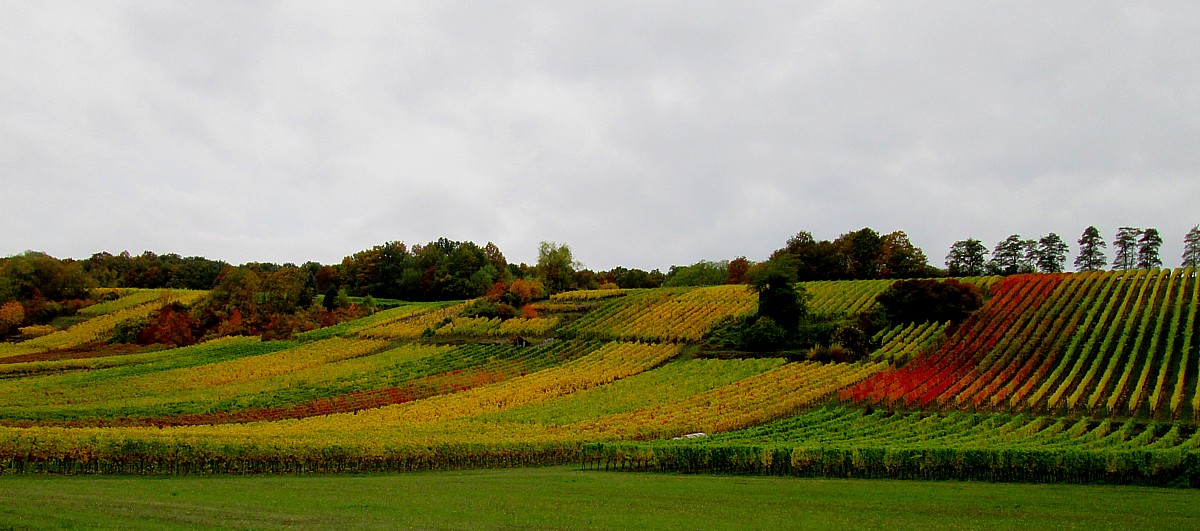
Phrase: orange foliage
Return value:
(12, 314)
(170, 325)
(497, 291)
(528, 312)
(738, 271)
(232, 325)
(527, 290)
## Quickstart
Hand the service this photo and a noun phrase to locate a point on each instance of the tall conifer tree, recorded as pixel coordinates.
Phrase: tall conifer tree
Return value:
(1091, 251)
(1051, 254)
(1125, 247)
(1009, 257)
(1191, 248)
(1148, 246)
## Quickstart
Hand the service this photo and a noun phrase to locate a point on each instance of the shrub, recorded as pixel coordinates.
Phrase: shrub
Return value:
(918, 301)
(489, 309)
(12, 314)
(763, 335)
(33, 331)
(171, 325)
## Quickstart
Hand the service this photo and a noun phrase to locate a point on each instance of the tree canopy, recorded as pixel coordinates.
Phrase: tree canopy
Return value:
(1091, 251)
(439, 270)
(862, 254)
(918, 301)
(1148, 244)
(1191, 248)
(967, 258)
(1013, 255)
(36, 275)
(1125, 248)
(556, 266)
(702, 273)
(1051, 254)
(778, 296)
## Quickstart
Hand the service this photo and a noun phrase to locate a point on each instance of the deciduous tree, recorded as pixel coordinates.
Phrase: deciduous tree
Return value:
(813, 259)
(283, 291)
(497, 260)
(863, 251)
(526, 291)
(237, 287)
(967, 258)
(35, 274)
(778, 296)
(12, 316)
(702, 273)
(901, 259)
(738, 271)
(634, 278)
(921, 300)
(555, 266)
(171, 325)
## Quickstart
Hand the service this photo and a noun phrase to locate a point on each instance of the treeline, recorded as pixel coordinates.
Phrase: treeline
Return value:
(253, 299)
(277, 300)
(1133, 248)
(860, 255)
(263, 297)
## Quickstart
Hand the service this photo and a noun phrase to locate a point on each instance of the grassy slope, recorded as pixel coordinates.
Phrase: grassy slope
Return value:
(563, 497)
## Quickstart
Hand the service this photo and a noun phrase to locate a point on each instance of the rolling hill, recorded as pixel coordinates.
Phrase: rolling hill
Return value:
(1058, 377)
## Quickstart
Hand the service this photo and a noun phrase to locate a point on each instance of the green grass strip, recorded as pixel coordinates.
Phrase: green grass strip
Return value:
(566, 498)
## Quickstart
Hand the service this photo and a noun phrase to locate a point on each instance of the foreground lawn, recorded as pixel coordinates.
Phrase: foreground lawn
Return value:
(564, 497)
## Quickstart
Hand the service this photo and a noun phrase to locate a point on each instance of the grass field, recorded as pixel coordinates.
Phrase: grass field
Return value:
(567, 498)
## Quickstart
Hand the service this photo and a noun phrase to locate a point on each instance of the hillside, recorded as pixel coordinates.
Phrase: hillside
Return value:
(1069, 377)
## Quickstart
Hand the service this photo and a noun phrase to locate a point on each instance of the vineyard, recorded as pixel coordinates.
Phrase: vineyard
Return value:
(852, 442)
(1091, 344)
(1090, 377)
(104, 317)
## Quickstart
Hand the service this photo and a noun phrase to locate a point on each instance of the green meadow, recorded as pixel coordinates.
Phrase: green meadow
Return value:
(568, 498)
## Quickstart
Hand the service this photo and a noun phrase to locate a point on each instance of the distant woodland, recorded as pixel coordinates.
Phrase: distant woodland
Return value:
(279, 300)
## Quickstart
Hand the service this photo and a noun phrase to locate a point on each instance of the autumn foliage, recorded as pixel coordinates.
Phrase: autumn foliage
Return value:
(12, 314)
(171, 325)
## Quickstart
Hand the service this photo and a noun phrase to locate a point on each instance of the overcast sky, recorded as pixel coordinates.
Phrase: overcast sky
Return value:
(642, 134)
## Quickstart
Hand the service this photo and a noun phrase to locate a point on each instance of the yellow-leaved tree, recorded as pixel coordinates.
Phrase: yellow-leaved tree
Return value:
(12, 314)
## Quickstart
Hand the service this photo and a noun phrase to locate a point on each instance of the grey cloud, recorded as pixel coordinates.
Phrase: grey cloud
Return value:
(642, 134)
